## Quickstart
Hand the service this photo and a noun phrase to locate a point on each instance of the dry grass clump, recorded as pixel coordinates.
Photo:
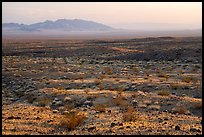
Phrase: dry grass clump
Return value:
(72, 120)
(187, 79)
(163, 92)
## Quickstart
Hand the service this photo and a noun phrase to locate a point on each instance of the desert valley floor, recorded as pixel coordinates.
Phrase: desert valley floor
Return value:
(141, 86)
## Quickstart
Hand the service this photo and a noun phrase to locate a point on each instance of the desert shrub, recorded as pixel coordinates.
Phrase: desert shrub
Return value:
(197, 105)
(163, 92)
(147, 73)
(147, 66)
(120, 101)
(43, 101)
(30, 98)
(180, 72)
(72, 120)
(175, 86)
(100, 107)
(68, 106)
(60, 88)
(102, 76)
(108, 70)
(180, 109)
(130, 115)
(197, 67)
(111, 88)
(136, 69)
(91, 72)
(81, 76)
(163, 75)
(161, 80)
(120, 88)
(154, 107)
(86, 90)
(97, 81)
(101, 86)
(146, 77)
(134, 95)
(117, 79)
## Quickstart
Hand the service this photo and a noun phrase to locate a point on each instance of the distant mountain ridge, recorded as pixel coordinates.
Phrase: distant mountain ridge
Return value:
(60, 24)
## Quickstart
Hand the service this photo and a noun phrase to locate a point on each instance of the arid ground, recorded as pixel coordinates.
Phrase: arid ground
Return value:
(141, 86)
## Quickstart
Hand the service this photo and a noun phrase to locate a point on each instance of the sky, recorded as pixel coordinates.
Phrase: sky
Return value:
(126, 15)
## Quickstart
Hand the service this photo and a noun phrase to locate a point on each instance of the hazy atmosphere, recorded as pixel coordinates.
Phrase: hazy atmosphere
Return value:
(125, 15)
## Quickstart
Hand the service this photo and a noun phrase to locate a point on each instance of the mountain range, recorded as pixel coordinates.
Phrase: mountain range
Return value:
(83, 29)
(60, 24)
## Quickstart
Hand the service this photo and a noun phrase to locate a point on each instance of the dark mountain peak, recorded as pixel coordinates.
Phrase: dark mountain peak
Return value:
(62, 20)
(48, 21)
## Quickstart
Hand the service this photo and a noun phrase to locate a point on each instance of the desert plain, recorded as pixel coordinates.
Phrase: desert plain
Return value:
(141, 86)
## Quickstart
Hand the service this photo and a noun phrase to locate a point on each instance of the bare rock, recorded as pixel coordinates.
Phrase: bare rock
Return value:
(91, 128)
(88, 103)
(59, 103)
(67, 99)
(134, 102)
(177, 127)
(55, 111)
(113, 124)
(194, 130)
(142, 105)
(154, 107)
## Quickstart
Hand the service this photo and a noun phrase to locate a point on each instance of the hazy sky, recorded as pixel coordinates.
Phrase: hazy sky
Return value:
(127, 15)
